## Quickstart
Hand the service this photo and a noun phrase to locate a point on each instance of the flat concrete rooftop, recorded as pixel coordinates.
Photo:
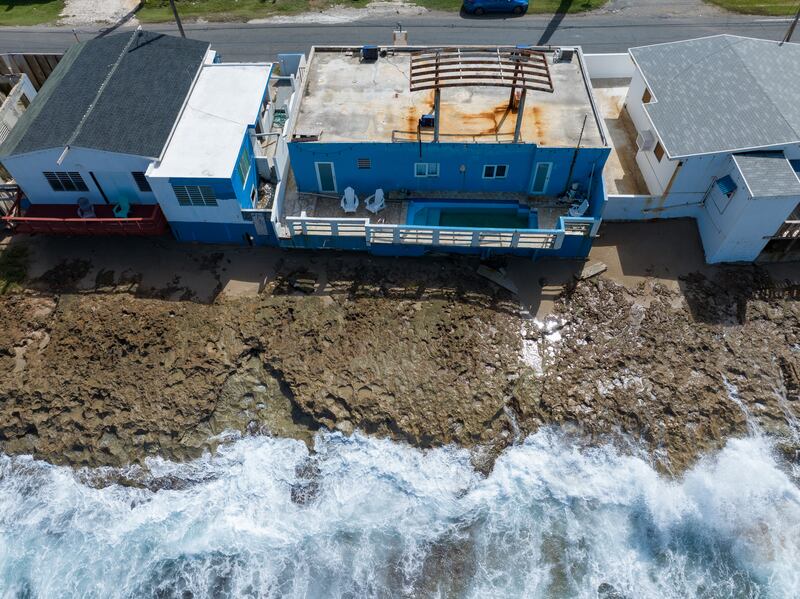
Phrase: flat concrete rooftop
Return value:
(347, 100)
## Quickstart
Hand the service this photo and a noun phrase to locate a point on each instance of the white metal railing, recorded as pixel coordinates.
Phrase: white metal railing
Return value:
(332, 227)
(789, 230)
(545, 239)
(583, 226)
(464, 237)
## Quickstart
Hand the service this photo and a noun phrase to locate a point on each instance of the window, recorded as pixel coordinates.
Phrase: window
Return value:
(253, 196)
(195, 195)
(426, 169)
(141, 182)
(726, 185)
(647, 96)
(364, 163)
(66, 181)
(727, 188)
(659, 151)
(541, 177)
(495, 171)
(243, 166)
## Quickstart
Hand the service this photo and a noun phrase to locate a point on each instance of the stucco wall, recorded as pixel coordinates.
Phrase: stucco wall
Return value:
(243, 189)
(739, 232)
(609, 66)
(227, 209)
(392, 166)
(657, 174)
(112, 170)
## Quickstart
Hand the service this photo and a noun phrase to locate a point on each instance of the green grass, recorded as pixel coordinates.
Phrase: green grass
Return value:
(231, 10)
(759, 7)
(29, 12)
(13, 268)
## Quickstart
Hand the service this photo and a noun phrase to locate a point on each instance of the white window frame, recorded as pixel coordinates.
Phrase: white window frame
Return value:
(244, 155)
(494, 168)
(319, 179)
(540, 192)
(429, 172)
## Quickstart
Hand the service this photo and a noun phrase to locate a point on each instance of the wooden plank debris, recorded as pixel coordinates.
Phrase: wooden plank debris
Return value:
(591, 270)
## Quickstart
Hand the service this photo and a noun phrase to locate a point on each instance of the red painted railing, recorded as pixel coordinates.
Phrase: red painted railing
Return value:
(62, 219)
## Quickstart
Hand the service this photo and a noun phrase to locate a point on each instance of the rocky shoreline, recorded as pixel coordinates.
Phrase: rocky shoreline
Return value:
(421, 351)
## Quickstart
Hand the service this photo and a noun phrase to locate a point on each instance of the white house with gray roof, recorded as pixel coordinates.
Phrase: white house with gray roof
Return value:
(138, 130)
(718, 139)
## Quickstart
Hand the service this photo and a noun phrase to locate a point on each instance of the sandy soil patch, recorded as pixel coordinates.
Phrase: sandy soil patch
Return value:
(345, 14)
(82, 12)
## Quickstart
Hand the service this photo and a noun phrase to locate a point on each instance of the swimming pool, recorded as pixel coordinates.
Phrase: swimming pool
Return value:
(484, 215)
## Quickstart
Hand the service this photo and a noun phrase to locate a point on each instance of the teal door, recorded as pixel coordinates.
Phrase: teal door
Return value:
(326, 177)
(117, 186)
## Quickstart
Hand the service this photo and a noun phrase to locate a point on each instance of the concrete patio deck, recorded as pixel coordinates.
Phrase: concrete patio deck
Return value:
(622, 174)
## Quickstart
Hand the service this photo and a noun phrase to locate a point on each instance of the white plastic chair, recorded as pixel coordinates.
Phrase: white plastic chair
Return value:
(349, 200)
(579, 209)
(375, 203)
(85, 208)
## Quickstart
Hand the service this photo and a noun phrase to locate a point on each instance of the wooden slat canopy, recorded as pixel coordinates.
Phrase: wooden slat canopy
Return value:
(515, 68)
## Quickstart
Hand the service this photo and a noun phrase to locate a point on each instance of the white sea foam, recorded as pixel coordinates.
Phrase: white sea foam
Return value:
(380, 519)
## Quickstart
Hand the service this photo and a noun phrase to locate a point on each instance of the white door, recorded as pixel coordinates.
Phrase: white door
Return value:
(541, 178)
(117, 186)
(326, 177)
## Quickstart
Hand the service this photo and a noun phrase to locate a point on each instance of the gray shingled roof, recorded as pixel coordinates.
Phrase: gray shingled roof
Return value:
(768, 174)
(722, 93)
(121, 93)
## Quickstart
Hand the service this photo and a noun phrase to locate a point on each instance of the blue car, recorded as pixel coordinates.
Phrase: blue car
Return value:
(481, 7)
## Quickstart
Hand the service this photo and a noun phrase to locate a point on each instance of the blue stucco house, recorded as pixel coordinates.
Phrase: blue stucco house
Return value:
(476, 150)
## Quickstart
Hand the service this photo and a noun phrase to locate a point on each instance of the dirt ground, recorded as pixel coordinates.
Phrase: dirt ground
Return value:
(118, 349)
(87, 12)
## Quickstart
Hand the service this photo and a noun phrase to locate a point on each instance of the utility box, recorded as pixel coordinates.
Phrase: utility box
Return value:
(427, 121)
(369, 53)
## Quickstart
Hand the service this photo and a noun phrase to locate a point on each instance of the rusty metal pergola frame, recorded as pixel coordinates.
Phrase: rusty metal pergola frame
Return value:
(514, 68)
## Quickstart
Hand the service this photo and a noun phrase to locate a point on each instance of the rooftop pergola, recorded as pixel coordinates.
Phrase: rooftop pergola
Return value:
(513, 68)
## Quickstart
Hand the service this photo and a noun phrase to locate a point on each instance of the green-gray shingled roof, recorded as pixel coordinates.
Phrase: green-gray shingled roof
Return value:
(121, 93)
(722, 93)
(768, 174)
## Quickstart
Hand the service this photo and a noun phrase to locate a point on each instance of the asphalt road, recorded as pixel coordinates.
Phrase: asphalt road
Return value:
(596, 33)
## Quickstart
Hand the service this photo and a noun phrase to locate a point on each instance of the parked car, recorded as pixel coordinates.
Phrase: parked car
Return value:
(480, 7)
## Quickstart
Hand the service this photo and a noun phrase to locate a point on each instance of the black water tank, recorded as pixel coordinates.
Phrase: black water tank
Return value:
(369, 53)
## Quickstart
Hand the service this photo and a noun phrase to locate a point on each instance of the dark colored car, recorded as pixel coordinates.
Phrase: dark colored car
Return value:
(481, 7)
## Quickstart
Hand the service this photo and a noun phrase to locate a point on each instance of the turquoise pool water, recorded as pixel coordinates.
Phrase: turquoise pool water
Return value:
(486, 216)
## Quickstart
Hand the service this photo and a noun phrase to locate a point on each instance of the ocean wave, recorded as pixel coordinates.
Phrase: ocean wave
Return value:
(362, 517)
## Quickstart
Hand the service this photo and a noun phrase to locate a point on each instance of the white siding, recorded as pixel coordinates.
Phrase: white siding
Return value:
(226, 211)
(27, 170)
(609, 66)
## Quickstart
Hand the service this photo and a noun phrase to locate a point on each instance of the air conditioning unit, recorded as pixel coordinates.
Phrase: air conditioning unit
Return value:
(427, 121)
(369, 53)
(563, 55)
(646, 141)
